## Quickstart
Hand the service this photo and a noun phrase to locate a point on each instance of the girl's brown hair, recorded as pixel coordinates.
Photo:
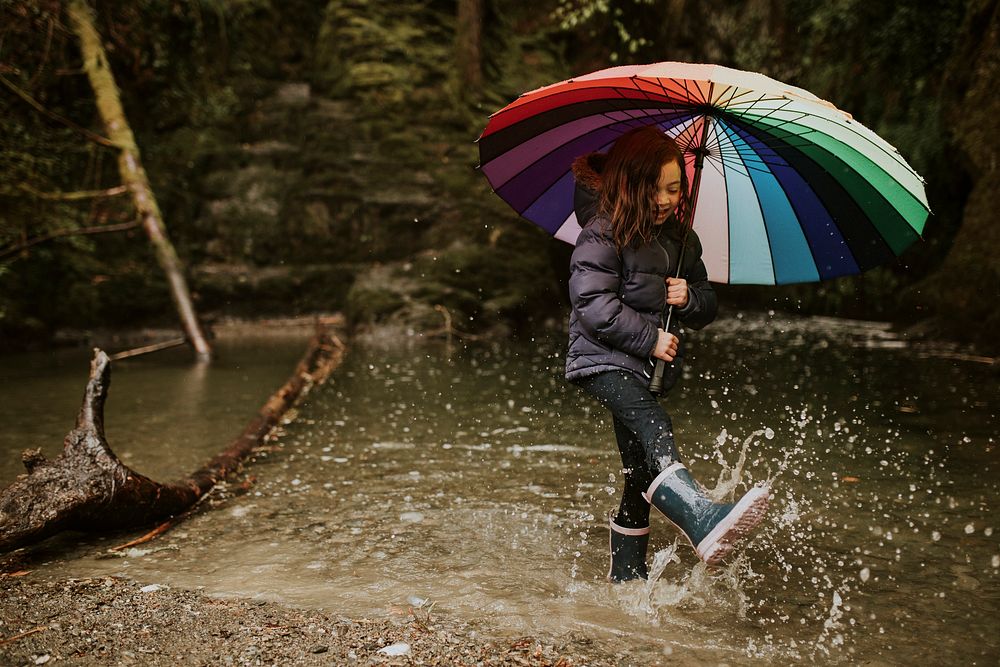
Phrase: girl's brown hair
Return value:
(629, 180)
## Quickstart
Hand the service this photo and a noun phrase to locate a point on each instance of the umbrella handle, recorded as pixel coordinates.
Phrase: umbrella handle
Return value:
(656, 383)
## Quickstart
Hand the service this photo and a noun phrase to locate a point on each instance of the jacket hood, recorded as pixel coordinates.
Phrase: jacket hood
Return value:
(587, 170)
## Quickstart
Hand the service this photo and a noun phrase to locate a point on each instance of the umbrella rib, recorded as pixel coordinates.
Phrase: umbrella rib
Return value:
(698, 98)
(769, 112)
(736, 95)
(722, 105)
(689, 99)
(687, 136)
(595, 86)
(659, 82)
(753, 161)
(608, 107)
(687, 91)
(634, 79)
(716, 143)
(644, 112)
(779, 122)
(892, 154)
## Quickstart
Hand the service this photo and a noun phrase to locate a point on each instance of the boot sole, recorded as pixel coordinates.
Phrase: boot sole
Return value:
(739, 523)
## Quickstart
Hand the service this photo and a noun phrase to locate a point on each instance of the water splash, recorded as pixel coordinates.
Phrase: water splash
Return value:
(730, 477)
(832, 635)
(661, 559)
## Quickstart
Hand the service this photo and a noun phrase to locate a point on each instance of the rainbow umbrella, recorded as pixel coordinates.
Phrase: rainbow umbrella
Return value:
(786, 188)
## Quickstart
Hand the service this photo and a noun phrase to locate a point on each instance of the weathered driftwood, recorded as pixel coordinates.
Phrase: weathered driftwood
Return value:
(87, 488)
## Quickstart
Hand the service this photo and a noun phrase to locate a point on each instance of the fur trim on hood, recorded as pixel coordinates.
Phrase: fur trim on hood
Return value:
(587, 170)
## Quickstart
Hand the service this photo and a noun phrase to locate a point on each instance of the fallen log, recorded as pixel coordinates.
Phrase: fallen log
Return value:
(87, 488)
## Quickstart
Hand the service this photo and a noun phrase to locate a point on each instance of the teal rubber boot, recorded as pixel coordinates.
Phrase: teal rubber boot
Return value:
(712, 528)
(628, 553)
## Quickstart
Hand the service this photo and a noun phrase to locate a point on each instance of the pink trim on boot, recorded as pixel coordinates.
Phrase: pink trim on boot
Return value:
(659, 480)
(628, 531)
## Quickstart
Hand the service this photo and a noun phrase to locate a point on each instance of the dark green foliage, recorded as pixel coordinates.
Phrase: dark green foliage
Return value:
(187, 70)
(242, 291)
(373, 305)
(316, 155)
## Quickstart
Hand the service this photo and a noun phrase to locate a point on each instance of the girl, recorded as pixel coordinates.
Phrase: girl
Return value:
(631, 203)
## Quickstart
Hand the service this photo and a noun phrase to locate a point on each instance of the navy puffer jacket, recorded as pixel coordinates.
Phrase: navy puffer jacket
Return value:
(618, 299)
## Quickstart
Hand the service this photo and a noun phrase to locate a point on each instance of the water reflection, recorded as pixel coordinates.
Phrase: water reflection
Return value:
(165, 415)
(481, 483)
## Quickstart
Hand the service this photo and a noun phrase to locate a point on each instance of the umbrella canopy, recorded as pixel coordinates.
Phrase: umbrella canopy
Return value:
(792, 189)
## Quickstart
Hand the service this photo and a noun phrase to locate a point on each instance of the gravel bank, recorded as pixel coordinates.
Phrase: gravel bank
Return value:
(114, 621)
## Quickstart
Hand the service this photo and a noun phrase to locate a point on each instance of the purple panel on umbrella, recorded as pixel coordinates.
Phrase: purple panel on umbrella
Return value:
(551, 209)
(504, 167)
(522, 190)
(831, 253)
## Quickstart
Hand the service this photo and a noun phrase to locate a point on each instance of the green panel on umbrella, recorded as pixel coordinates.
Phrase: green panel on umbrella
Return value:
(908, 205)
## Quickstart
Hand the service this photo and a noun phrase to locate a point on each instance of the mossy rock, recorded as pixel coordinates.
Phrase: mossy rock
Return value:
(372, 304)
(247, 291)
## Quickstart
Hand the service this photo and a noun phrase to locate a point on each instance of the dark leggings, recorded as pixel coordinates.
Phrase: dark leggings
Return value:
(644, 433)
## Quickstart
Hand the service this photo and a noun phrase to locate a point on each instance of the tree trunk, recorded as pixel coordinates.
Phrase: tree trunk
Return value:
(963, 289)
(87, 488)
(468, 44)
(95, 63)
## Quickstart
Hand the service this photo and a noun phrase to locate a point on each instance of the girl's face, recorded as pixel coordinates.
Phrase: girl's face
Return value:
(668, 191)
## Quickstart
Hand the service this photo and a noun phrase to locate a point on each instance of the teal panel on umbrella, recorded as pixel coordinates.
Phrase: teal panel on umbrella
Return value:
(751, 263)
(793, 260)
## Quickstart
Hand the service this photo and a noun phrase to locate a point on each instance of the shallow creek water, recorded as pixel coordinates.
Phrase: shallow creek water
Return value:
(478, 483)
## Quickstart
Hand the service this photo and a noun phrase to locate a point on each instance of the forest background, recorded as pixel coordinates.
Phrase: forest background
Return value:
(318, 156)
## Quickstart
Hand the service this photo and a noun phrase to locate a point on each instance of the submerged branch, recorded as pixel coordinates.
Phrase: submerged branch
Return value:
(146, 349)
